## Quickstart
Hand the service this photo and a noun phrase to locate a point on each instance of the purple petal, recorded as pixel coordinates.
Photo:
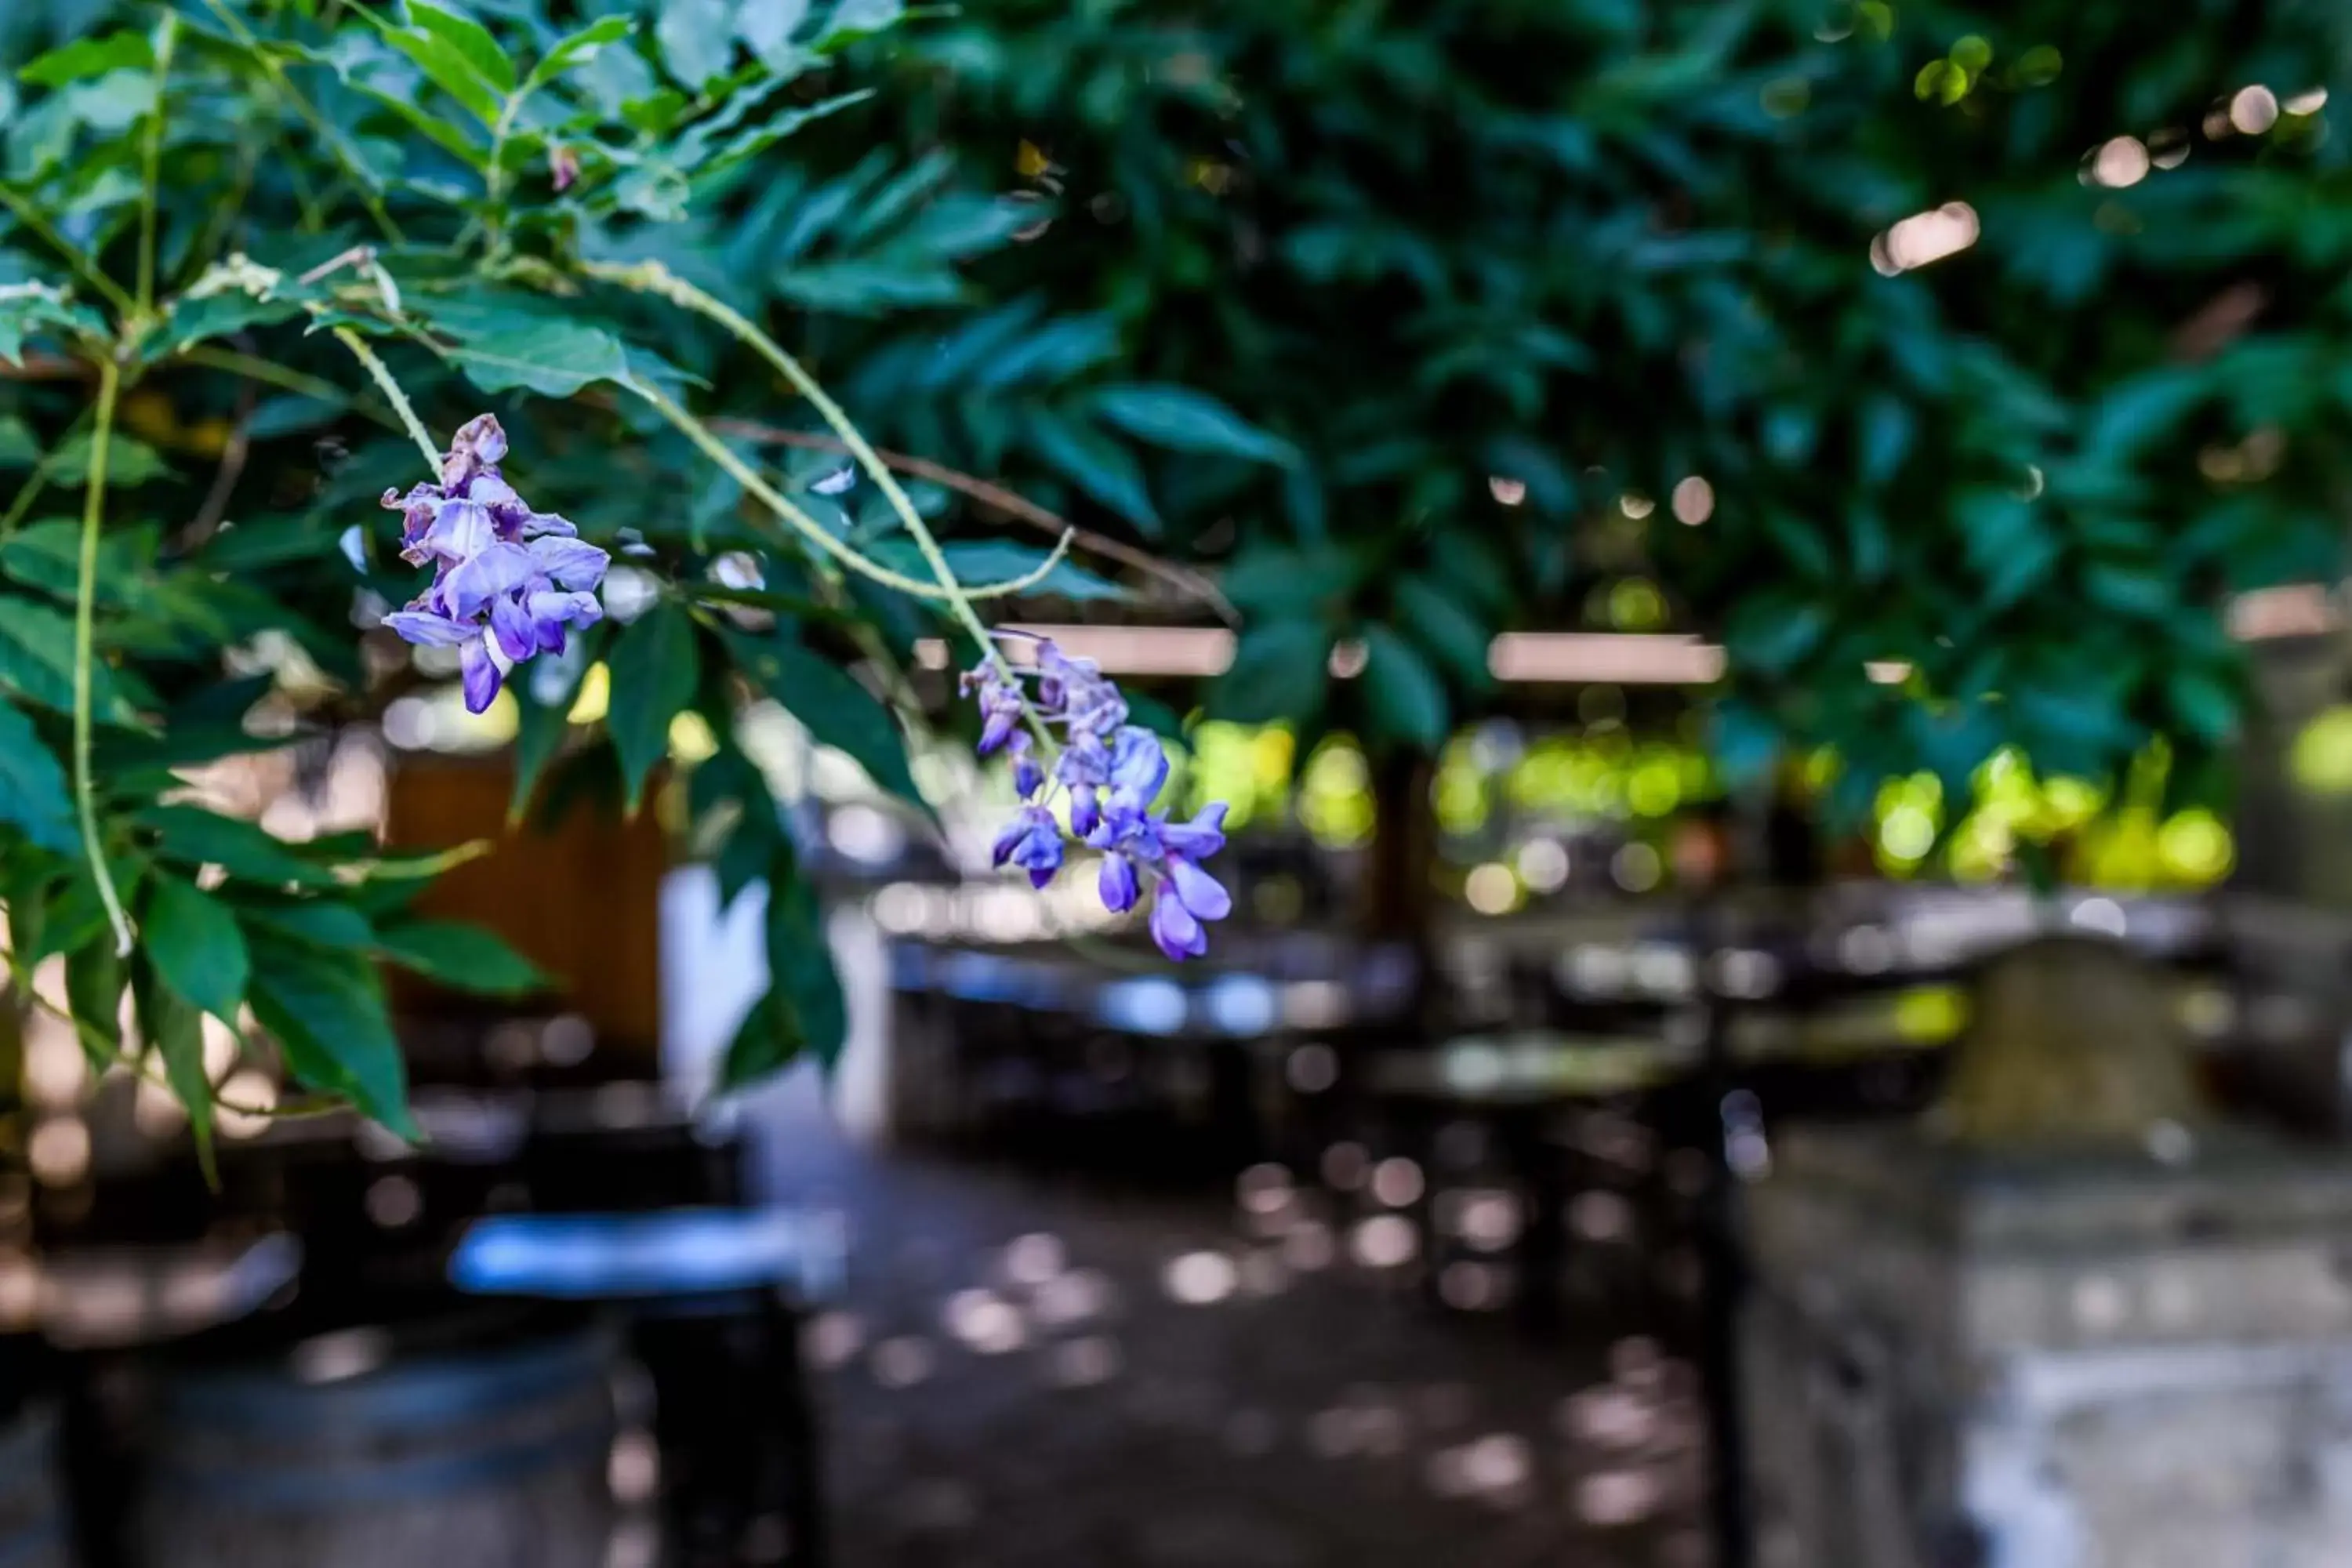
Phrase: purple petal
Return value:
(424, 627)
(1086, 812)
(497, 571)
(1200, 893)
(481, 438)
(1039, 853)
(1116, 883)
(1179, 935)
(539, 525)
(1138, 765)
(1008, 840)
(570, 562)
(1198, 838)
(482, 675)
(998, 730)
(512, 624)
(490, 490)
(461, 529)
(1028, 778)
(550, 609)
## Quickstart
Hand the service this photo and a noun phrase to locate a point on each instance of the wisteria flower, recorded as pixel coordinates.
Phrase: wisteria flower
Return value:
(508, 582)
(1112, 770)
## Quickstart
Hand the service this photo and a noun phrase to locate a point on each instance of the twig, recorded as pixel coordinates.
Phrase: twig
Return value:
(232, 468)
(167, 34)
(1193, 584)
(392, 394)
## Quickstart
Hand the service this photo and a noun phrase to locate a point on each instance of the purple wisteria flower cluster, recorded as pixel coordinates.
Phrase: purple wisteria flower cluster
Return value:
(1112, 770)
(506, 581)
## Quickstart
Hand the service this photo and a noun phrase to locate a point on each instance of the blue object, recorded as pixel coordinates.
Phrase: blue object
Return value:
(677, 1252)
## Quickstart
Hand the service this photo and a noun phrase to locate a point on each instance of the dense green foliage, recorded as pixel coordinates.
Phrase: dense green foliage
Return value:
(1591, 248)
(211, 210)
(1414, 321)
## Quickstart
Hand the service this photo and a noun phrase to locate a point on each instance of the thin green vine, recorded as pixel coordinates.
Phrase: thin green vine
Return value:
(382, 376)
(167, 35)
(742, 473)
(653, 278)
(109, 382)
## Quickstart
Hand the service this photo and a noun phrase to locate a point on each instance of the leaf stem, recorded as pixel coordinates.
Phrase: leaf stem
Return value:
(743, 474)
(382, 376)
(109, 382)
(34, 486)
(653, 278)
(30, 216)
(167, 35)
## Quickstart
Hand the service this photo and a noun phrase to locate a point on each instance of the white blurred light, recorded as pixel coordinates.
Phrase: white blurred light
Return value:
(1636, 867)
(833, 1338)
(1263, 1189)
(1629, 658)
(1543, 865)
(2254, 109)
(1491, 889)
(1509, 492)
(59, 1150)
(1693, 500)
(1384, 1241)
(1469, 1287)
(1034, 1259)
(1925, 237)
(2310, 102)
(1886, 671)
(1618, 1497)
(340, 1356)
(633, 1469)
(2120, 163)
(1636, 507)
(1070, 1298)
(1397, 1182)
(1348, 657)
(2103, 915)
(985, 1322)
(1201, 1278)
(1312, 1068)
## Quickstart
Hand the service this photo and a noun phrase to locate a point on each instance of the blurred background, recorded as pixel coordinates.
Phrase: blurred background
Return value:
(1774, 648)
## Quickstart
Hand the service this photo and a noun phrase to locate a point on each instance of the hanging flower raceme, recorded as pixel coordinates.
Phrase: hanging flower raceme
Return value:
(508, 582)
(1112, 770)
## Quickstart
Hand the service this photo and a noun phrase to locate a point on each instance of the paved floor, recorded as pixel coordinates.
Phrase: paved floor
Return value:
(1028, 1372)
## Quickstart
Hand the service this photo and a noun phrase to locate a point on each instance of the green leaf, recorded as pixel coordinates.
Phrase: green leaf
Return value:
(1186, 421)
(33, 798)
(195, 945)
(837, 711)
(470, 40)
(467, 957)
(326, 1010)
(194, 837)
(36, 662)
(84, 57)
(175, 1028)
(1097, 465)
(1404, 701)
(2204, 705)
(1279, 671)
(503, 350)
(577, 49)
(655, 667)
(94, 982)
(696, 39)
(767, 30)
(800, 961)
(766, 1042)
(322, 923)
(27, 308)
(1438, 623)
(48, 555)
(446, 67)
